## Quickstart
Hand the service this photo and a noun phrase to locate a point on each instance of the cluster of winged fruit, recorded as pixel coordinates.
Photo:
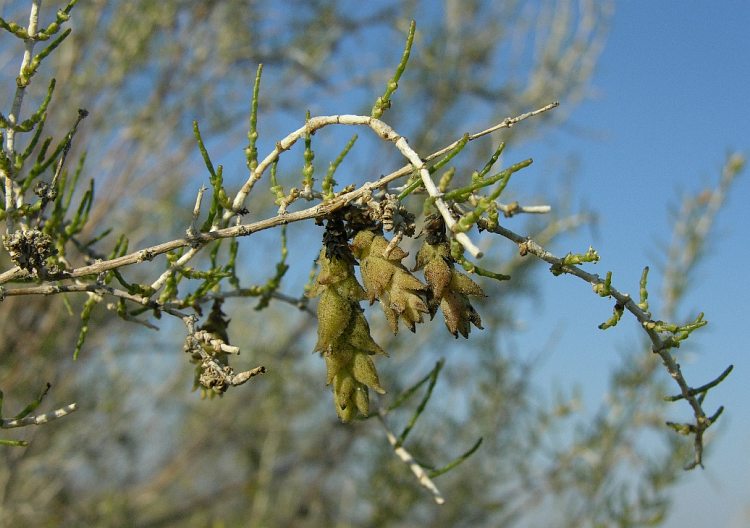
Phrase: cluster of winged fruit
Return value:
(401, 294)
(344, 337)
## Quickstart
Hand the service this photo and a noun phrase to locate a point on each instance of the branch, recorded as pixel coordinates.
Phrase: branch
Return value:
(384, 131)
(13, 117)
(215, 375)
(316, 211)
(100, 289)
(25, 418)
(39, 419)
(422, 477)
(659, 344)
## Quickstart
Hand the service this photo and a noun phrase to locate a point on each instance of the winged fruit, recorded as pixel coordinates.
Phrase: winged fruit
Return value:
(344, 338)
(402, 296)
(449, 288)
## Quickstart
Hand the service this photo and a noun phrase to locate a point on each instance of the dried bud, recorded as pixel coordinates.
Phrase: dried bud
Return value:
(29, 249)
(217, 323)
(210, 338)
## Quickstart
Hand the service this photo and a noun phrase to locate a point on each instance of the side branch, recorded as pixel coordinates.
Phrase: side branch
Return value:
(659, 344)
(422, 477)
(38, 419)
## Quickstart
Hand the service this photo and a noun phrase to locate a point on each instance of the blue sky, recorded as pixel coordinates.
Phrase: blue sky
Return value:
(671, 102)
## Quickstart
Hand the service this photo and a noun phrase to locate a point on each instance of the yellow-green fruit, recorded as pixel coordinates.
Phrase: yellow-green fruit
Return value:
(438, 275)
(338, 360)
(380, 244)
(343, 389)
(350, 288)
(364, 372)
(405, 304)
(376, 272)
(437, 270)
(358, 335)
(334, 314)
(376, 276)
(344, 337)
(331, 270)
(385, 278)
(463, 284)
(362, 242)
(350, 397)
(450, 289)
(343, 396)
(362, 400)
(338, 274)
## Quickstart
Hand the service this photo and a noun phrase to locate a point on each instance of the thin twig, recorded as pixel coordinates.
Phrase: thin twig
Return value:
(422, 477)
(387, 133)
(510, 121)
(659, 344)
(192, 230)
(39, 419)
(99, 289)
(184, 259)
(514, 209)
(435, 193)
(13, 116)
